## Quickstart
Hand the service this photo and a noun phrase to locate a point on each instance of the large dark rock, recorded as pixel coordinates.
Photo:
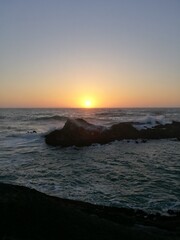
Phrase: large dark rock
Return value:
(28, 214)
(75, 132)
(78, 132)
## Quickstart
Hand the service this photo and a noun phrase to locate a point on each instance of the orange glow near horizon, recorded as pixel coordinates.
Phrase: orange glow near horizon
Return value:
(91, 95)
(93, 99)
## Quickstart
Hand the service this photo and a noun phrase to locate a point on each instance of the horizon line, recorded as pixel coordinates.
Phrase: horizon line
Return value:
(149, 107)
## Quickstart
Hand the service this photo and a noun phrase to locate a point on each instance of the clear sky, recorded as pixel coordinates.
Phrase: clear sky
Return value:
(109, 53)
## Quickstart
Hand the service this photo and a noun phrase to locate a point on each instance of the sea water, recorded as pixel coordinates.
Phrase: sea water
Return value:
(122, 173)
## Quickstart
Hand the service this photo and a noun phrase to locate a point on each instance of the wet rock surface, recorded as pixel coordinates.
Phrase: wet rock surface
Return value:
(28, 214)
(78, 132)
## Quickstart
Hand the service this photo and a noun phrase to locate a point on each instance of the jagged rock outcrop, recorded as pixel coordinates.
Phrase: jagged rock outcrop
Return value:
(78, 132)
(28, 214)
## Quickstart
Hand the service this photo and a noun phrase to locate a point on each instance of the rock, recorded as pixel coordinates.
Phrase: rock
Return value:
(170, 130)
(78, 132)
(28, 214)
(33, 131)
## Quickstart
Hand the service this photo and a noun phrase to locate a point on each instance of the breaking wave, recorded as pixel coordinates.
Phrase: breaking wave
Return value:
(151, 121)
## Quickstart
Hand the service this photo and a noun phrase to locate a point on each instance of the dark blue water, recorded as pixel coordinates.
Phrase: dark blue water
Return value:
(144, 175)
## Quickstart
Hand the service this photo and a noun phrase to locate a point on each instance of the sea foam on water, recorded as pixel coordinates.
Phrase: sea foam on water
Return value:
(120, 173)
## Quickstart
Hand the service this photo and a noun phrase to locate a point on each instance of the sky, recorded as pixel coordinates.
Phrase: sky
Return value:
(90, 53)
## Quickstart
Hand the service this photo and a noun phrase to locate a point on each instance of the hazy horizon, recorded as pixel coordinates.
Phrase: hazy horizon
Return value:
(90, 108)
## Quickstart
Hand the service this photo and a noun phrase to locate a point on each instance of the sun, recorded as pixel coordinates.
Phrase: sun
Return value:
(88, 103)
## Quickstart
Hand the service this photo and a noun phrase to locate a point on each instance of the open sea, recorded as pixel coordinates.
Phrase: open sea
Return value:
(122, 174)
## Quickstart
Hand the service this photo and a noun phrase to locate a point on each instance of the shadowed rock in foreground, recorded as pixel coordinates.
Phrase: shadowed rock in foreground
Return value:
(28, 214)
(78, 132)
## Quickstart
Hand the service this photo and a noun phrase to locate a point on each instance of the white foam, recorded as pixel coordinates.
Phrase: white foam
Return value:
(87, 126)
(151, 121)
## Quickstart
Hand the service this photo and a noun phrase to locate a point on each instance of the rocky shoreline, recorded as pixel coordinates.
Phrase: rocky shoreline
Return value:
(79, 132)
(28, 214)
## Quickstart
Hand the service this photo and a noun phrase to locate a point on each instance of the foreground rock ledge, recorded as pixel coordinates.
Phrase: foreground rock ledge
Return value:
(28, 214)
(78, 132)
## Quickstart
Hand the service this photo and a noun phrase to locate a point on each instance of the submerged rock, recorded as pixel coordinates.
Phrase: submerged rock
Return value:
(28, 214)
(78, 132)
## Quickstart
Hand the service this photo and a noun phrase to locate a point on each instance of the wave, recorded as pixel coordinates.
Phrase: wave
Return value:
(118, 113)
(103, 114)
(55, 117)
(151, 121)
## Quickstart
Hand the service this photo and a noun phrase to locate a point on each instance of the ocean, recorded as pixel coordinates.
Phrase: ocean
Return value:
(122, 173)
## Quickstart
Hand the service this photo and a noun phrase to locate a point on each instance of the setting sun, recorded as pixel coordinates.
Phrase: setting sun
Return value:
(88, 103)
